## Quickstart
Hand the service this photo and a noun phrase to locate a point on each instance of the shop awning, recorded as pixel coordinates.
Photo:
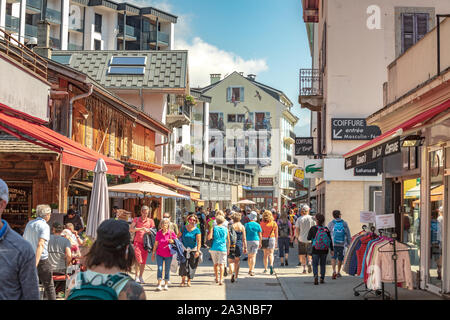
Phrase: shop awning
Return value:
(160, 179)
(390, 140)
(437, 194)
(73, 153)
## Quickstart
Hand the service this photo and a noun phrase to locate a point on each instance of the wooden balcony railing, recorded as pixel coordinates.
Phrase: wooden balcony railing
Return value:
(19, 52)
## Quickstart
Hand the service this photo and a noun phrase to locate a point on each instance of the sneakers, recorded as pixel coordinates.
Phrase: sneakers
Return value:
(166, 287)
(316, 281)
(138, 280)
(158, 288)
(271, 269)
(141, 280)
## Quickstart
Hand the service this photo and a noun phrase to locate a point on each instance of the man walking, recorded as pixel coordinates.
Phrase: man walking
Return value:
(340, 233)
(37, 232)
(19, 279)
(302, 226)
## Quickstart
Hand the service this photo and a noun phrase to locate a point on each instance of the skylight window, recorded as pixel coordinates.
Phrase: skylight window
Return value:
(128, 61)
(126, 70)
(63, 59)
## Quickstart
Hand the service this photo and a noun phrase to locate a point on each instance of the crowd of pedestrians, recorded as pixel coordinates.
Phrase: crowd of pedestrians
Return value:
(232, 236)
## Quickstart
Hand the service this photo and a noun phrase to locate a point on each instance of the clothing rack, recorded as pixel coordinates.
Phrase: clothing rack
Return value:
(394, 257)
(368, 291)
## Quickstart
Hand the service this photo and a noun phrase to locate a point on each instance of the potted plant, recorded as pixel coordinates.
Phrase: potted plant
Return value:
(190, 101)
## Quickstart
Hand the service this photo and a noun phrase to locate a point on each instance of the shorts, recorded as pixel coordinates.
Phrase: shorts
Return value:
(271, 243)
(304, 248)
(236, 252)
(252, 247)
(338, 253)
(283, 246)
(219, 257)
(140, 253)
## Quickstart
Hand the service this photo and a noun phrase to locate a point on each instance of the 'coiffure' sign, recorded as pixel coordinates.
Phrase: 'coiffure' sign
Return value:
(386, 149)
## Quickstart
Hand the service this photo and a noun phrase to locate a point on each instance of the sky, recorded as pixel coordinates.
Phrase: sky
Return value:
(263, 37)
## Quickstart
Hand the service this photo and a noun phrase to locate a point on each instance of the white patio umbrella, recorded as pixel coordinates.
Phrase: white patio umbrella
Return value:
(245, 201)
(145, 189)
(99, 203)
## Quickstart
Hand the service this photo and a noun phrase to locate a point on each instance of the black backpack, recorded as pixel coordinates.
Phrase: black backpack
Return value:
(283, 230)
(233, 236)
(104, 291)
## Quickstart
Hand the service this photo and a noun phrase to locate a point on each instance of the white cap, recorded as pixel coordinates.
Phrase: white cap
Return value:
(305, 207)
(4, 191)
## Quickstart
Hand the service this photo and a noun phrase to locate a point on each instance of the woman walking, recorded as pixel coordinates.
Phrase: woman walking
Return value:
(269, 238)
(139, 227)
(253, 233)
(220, 247)
(191, 238)
(163, 238)
(239, 247)
(284, 236)
(321, 237)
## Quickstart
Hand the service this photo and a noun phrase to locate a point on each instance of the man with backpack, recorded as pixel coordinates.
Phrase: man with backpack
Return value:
(302, 226)
(321, 243)
(341, 236)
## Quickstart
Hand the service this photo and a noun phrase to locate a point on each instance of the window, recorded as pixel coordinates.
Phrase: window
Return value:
(126, 70)
(97, 45)
(128, 61)
(63, 59)
(414, 28)
(235, 94)
(239, 118)
(231, 118)
(98, 23)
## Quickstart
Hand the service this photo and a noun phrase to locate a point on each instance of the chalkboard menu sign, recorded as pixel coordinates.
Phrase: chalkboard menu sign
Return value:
(18, 209)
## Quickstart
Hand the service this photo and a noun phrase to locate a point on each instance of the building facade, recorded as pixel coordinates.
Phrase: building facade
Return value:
(251, 129)
(90, 24)
(350, 88)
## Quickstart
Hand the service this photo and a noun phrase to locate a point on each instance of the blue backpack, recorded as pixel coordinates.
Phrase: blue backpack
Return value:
(339, 233)
(104, 291)
(321, 240)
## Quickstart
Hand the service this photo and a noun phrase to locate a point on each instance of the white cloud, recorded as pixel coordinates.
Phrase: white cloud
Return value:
(205, 58)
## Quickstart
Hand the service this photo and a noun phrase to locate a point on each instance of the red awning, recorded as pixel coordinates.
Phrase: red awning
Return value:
(411, 123)
(73, 153)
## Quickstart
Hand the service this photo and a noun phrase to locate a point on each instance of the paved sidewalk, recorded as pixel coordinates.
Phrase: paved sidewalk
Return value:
(286, 284)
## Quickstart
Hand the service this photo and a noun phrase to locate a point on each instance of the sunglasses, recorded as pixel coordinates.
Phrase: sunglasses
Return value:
(192, 219)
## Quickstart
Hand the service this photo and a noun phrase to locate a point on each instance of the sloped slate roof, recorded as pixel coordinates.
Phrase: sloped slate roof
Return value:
(163, 70)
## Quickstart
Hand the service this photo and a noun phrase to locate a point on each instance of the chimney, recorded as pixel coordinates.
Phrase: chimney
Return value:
(43, 40)
(251, 77)
(215, 77)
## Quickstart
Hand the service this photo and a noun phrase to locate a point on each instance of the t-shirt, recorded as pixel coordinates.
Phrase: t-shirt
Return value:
(220, 236)
(57, 252)
(140, 223)
(304, 223)
(163, 249)
(269, 229)
(189, 238)
(35, 230)
(252, 229)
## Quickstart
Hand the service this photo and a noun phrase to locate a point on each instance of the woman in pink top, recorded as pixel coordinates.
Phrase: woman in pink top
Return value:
(141, 226)
(163, 238)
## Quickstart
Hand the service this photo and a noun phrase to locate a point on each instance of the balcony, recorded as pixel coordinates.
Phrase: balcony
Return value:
(12, 23)
(30, 31)
(162, 37)
(34, 6)
(311, 89)
(53, 16)
(289, 139)
(310, 11)
(179, 113)
(130, 33)
(74, 46)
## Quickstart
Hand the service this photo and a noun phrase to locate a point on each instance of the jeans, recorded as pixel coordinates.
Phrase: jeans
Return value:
(45, 274)
(317, 259)
(283, 246)
(166, 261)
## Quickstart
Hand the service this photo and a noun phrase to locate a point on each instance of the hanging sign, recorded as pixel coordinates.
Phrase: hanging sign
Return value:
(385, 221)
(304, 146)
(353, 129)
(383, 150)
(367, 217)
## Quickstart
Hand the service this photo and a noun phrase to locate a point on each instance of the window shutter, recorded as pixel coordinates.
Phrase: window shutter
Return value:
(422, 25)
(242, 94)
(407, 31)
(228, 94)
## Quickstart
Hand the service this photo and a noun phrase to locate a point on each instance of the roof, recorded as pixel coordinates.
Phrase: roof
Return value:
(10, 144)
(277, 94)
(125, 107)
(196, 93)
(163, 69)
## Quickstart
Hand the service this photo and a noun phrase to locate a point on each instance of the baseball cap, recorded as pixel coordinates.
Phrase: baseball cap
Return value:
(252, 216)
(113, 234)
(4, 191)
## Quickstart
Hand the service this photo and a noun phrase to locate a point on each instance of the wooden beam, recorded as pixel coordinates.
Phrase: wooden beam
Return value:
(49, 170)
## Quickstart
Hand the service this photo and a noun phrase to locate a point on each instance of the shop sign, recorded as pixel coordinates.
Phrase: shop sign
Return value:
(367, 217)
(353, 129)
(370, 169)
(383, 150)
(299, 174)
(265, 182)
(304, 146)
(385, 221)
(313, 168)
